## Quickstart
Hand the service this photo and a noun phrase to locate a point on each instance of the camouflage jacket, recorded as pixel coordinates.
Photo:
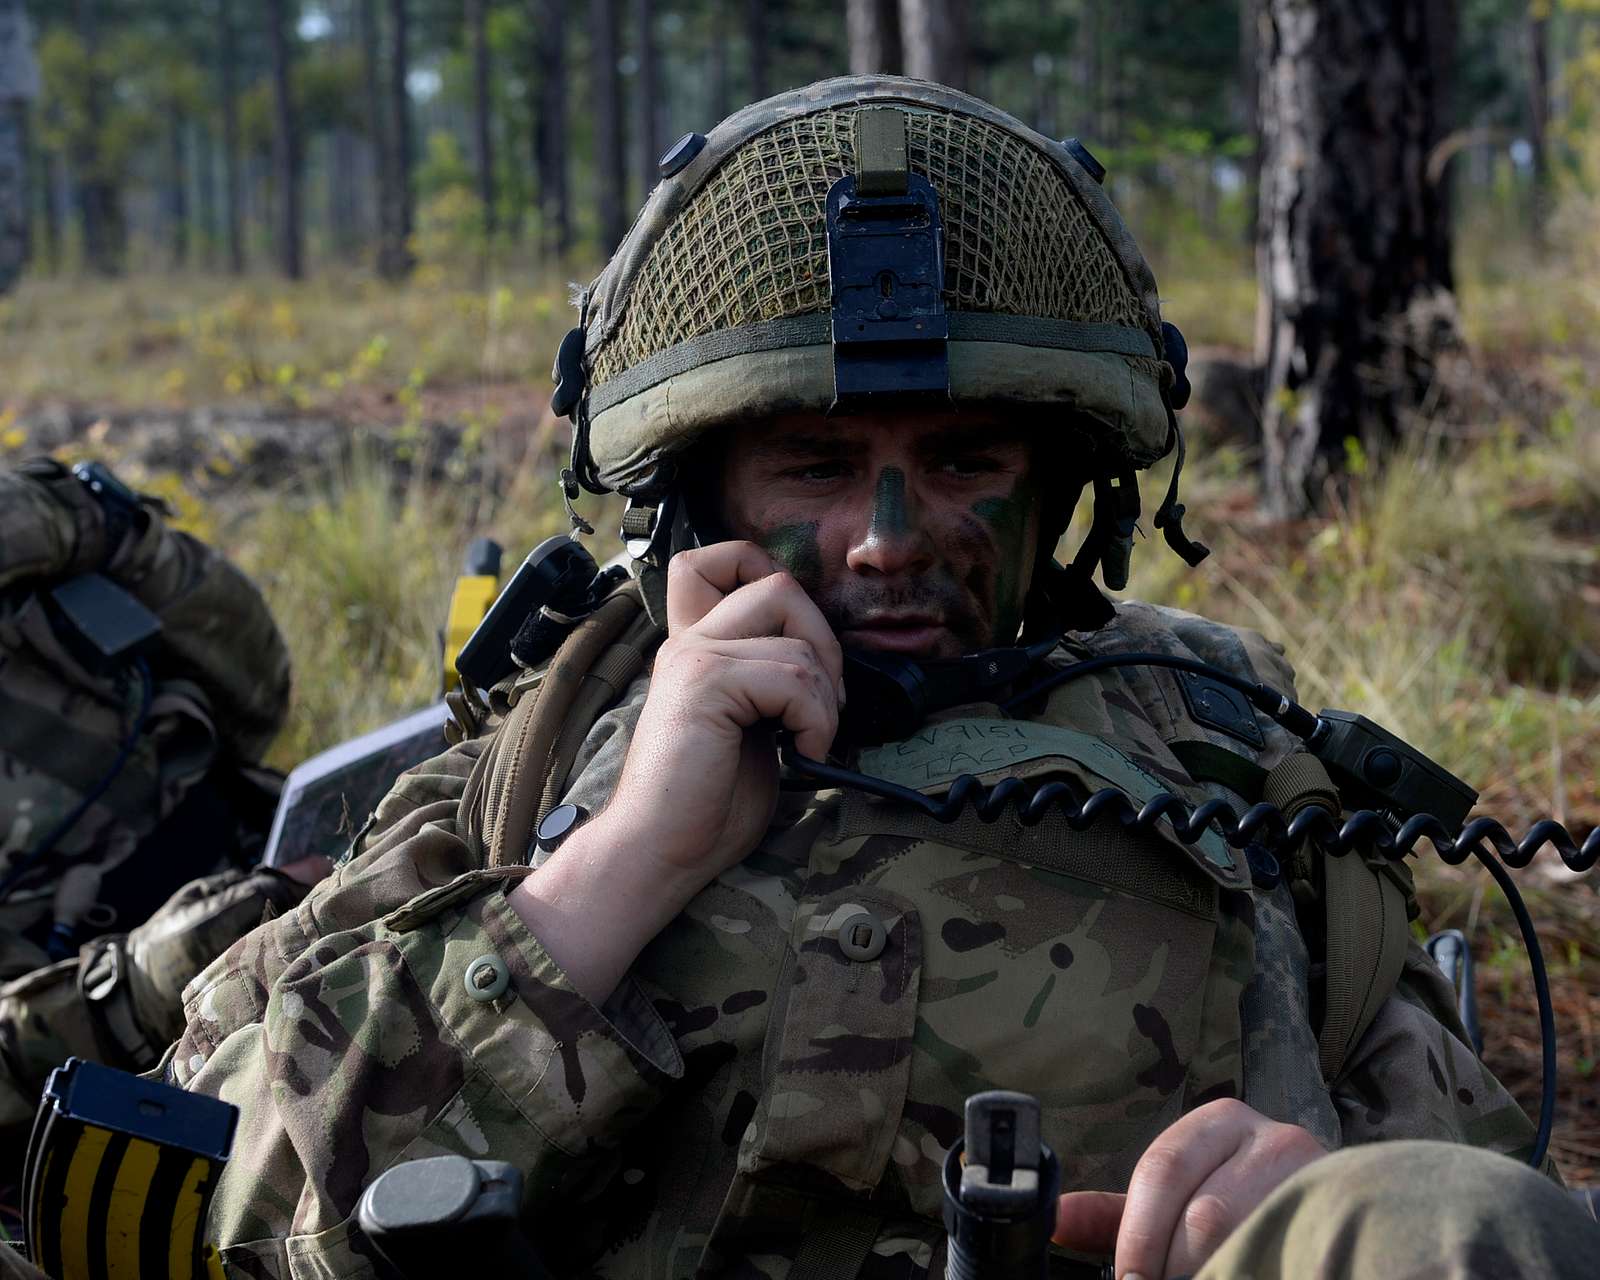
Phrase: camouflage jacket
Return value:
(750, 1080)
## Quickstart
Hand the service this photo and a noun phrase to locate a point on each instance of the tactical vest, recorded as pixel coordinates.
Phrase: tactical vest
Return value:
(1126, 954)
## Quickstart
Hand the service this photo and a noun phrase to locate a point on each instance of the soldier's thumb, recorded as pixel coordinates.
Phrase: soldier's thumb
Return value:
(1088, 1221)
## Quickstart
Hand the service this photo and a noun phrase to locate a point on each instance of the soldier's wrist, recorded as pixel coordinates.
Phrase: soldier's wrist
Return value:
(597, 902)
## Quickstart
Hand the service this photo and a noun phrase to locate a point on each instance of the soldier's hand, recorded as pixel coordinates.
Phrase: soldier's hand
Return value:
(1195, 1183)
(746, 651)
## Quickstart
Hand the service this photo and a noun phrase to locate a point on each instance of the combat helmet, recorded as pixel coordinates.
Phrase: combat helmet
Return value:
(865, 240)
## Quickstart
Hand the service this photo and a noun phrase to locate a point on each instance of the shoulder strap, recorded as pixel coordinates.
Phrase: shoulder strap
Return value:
(1366, 926)
(522, 774)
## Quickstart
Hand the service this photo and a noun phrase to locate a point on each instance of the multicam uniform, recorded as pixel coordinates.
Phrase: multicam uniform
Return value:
(771, 1090)
(750, 1080)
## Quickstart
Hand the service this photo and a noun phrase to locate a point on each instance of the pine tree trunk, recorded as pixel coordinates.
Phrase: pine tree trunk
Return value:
(611, 170)
(721, 93)
(1353, 251)
(285, 149)
(18, 84)
(205, 150)
(482, 134)
(550, 135)
(344, 217)
(649, 140)
(51, 179)
(1538, 36)
(105, 232)
(232, 182)
(377, 121)
(755, 34)
(394, 250)
(873, 30)
(934, 34)
(177, 201)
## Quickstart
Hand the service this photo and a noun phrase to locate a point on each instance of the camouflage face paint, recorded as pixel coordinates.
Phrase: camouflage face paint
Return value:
(1009, 521)
(889, 518)
(794, 546)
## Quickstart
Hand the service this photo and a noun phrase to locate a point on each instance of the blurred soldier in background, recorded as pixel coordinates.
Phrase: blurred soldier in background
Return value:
(141, 679)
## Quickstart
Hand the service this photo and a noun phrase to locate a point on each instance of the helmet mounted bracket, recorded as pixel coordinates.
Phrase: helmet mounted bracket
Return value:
(885, 274)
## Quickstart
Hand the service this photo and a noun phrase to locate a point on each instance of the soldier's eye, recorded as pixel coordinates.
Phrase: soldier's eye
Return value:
(968, 465)
(817, 472)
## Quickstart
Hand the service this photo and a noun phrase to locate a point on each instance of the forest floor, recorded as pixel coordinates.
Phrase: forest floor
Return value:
(345, 442)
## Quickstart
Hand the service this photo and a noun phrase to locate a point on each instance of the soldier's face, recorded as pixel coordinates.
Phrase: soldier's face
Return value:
(913, 531)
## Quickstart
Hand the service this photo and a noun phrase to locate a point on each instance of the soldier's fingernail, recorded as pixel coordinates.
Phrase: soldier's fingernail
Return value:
(841, 691)
(1131, 1275)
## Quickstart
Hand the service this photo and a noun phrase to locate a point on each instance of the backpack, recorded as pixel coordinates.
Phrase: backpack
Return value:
(126, 769)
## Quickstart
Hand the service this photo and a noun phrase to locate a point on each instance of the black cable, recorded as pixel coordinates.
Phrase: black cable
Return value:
(28, 863)
(1282, 708)
(1541, 993)
(1261, 831)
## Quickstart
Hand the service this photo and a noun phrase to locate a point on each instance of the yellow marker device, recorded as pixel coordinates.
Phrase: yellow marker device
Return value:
(474, 592)
(119, 1177)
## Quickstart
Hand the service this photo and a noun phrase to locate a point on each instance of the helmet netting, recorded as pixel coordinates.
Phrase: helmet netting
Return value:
(751, 244)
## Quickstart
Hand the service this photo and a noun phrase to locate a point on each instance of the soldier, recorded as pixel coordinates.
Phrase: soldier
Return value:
(141, 678)
(854, 365)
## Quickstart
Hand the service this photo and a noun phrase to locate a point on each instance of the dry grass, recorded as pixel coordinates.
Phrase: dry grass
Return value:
(145, 341)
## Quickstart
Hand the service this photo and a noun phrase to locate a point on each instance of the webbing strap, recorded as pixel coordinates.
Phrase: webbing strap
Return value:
(1206, 762)
(836, 1244)
(1367, 936)
(814, 331)
(1365, 923)
(503, 794)
(603, 686)
(881, 160)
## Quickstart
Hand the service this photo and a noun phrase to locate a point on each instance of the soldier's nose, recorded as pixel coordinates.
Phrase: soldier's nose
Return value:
(892, 540)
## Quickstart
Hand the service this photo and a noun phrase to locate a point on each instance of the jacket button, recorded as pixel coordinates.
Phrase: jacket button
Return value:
(487, 978)
(862, 936)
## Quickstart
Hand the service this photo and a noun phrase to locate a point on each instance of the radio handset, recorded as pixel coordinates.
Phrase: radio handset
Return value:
(888, 696)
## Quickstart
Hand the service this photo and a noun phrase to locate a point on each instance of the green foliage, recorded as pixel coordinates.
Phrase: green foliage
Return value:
(444, 164)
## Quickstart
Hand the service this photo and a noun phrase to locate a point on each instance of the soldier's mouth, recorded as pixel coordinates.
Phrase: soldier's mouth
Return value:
(903, 633)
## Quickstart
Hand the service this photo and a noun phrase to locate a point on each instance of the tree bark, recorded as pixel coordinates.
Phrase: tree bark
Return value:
(376, 110)
(649, 141)
(1539, 113)
(233, 195)
(610, 164)
(18, 85)
(755, 34)
(177, 201)
(205, 151)
(51, 179)
(1353, 251)
(482, 133)
(873, 30)
(934, 35)
(290, 231)
(105, 232)
(721, 92)
(550, 133)
(394, 249)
